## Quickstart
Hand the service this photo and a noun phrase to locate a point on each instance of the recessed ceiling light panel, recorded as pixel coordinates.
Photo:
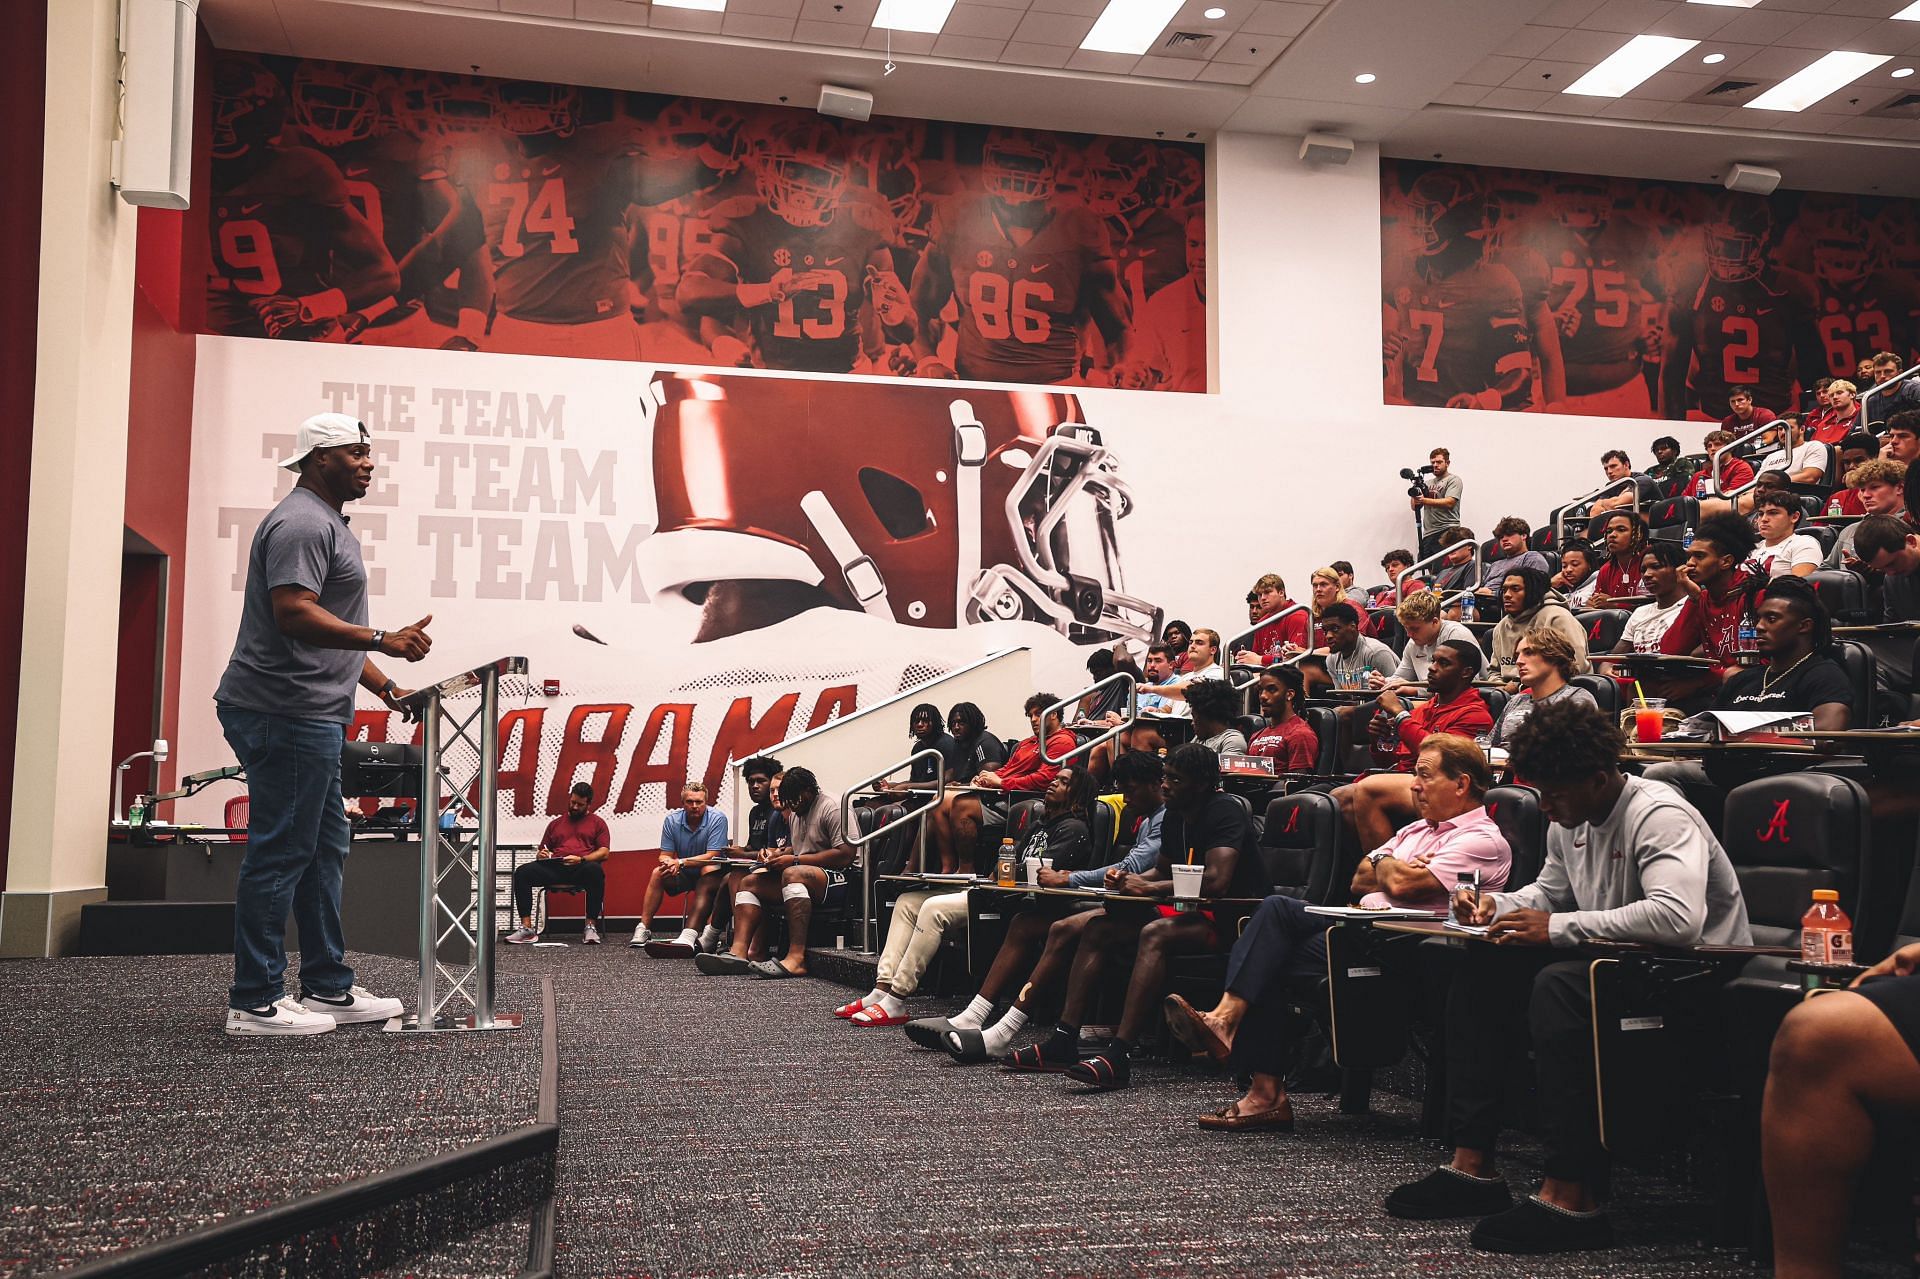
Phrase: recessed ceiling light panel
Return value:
(1130, 26)
(1831, 73)
(1629, 66)
(1365, 77)
(910, 15)
(1214, 14)
(1909, 14)
(1728, 4)
(1714, 59)
(1901, 73)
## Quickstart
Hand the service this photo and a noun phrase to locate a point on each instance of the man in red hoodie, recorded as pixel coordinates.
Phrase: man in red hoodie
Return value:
(958, 819)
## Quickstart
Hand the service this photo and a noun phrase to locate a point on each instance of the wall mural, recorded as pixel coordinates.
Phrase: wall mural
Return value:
(1567, 293)
(373, 206)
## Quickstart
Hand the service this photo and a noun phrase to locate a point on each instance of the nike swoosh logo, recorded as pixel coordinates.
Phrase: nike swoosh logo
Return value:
(354, 173)
(1038, 267)
(1763, 310)
(249, 208)
(835, 261)
(547, 171)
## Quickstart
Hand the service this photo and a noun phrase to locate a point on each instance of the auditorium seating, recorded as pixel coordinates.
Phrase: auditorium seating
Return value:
(1844, 593)
(1604, 627)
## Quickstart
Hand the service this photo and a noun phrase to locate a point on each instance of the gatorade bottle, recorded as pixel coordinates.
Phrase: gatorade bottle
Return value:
(1004, 874)
(1826, 934)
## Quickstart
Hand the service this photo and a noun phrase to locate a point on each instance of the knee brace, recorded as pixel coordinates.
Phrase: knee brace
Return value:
(789, 892)
(746, 899)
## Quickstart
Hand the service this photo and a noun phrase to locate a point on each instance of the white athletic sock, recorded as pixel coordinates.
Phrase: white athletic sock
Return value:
(709, 937)
(873, 996)
(974, 1015)
(999, 1036)
(891, 1005)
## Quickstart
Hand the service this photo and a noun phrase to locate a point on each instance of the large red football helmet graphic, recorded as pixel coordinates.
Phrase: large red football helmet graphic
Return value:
(1738, 239)
(337, 105)
(249, 106)
(925, 506)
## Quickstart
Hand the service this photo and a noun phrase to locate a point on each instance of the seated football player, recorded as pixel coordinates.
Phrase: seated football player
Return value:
(1250, 1028)
(1627, 860)
(957, 820)
(1214, 705)
(922, 919)
(1202, 827)
(1380, 803)
(1040, 942)
(1287, 738)
(691, 838)
(798, 876)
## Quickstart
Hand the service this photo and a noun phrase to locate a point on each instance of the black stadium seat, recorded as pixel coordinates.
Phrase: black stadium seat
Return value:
(1862, 668)
(1604, 627)
(1326, 726)
(1301, 847)
(1825, 534)
(1384, 625)
(1496, 700)
(1249, 725)
(1516, 811)
(1541, 539)
(1671, 517)
(1844, 592)
(1790, 834)
(1606, 693)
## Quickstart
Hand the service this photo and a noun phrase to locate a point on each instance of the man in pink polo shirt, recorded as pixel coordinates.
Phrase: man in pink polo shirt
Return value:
(1249, 1028)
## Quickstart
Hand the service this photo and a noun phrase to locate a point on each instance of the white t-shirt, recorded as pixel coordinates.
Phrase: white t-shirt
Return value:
(1811, 454)
(1649, 623)
(1780, 557)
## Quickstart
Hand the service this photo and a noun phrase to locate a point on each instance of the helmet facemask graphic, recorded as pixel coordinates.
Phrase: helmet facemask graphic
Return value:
(1018, 169)
(532, 110)
(336, 107)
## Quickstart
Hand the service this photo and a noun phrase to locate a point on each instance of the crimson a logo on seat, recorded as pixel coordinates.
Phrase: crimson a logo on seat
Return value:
(1777, 825)
(1293, 822)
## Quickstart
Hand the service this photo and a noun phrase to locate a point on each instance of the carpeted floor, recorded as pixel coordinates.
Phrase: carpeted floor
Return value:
(129, 1116)
(732, 1126)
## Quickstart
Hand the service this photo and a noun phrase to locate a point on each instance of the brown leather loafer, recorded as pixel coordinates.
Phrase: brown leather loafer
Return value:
(1279, 1119)
(1185, 1024)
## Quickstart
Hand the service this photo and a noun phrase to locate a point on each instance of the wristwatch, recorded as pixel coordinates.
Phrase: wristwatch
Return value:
(1377, 856)
(379, 638)
(388, 689)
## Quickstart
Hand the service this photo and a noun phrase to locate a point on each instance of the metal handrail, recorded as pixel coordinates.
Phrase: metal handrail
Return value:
(1133, 713)
(1860, 419)
(1713, 459)
(1254, 628)
(1559, 517)
(1479, 566)
(869, 919)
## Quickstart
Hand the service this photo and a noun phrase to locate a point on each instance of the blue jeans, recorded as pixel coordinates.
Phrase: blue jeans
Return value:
(297, 840)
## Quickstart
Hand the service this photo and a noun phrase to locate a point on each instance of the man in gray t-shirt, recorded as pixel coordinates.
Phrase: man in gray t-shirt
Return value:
(801, 874)
(1439, 510)
(284, 704)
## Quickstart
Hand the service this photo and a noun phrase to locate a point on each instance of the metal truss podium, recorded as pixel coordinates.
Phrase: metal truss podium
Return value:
(459, 759)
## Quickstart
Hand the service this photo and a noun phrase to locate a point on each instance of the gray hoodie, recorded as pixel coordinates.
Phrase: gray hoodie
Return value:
(1550, 611)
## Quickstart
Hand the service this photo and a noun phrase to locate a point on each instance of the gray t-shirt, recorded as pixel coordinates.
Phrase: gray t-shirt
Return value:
(1231, 742)
(1368, 654)
(1522, 705)
(1416, 658)
(302, 542)
(1435, 518)
(820, 831)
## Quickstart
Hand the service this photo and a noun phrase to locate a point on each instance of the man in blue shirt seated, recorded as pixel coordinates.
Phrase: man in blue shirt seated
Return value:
(691, 838)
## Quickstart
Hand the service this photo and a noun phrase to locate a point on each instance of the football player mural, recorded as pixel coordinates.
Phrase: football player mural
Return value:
(420, 209)
(1635, 299)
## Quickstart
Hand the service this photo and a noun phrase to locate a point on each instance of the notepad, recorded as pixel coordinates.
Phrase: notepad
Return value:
(1384, 912)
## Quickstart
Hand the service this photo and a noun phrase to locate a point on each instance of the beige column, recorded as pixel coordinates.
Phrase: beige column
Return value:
(62, 776)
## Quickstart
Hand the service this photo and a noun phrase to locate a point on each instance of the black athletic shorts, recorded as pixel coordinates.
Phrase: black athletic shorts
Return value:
(1899, 999)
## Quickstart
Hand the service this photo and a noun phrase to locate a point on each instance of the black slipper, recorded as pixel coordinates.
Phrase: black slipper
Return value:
(928, 1032)
(1533, 1227)
(1445, 1193)
(965, 1046)
(724, 964)
(1103, 1073)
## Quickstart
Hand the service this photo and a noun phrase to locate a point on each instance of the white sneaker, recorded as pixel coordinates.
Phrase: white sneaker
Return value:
(356, 1005)
(281, 1017)
(522, 936)
(641, 936)
(592, 938)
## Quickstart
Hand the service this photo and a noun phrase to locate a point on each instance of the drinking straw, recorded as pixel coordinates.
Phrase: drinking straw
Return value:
(1641, 693)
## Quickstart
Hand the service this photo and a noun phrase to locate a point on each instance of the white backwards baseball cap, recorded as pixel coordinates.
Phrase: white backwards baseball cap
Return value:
(326, 431)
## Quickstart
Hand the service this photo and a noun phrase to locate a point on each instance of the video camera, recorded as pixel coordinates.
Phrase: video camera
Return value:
(1416, 487)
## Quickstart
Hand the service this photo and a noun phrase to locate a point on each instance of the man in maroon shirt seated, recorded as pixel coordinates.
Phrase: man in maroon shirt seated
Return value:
(569, 855)
(1734, 472)
(1720, 590)
(957, 820)
(1269, 597)
(1288, 738)
(1380, 803)
(1744, 416)
(1395, 562)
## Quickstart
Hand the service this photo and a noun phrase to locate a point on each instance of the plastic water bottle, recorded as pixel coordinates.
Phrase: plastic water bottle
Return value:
(1686, 536)
(1749, 636)
(1826, 934)
(1466, 607)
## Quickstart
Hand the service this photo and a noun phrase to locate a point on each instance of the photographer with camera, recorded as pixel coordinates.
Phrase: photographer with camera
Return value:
(1434, 495)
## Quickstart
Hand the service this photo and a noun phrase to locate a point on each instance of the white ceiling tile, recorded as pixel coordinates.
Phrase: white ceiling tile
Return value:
(972, 48)
(859, 12)
(1585, 47)
(1053, 28)
(1813, 122)
(1632, 109)
(1565, 13)
(1004, 4)
(1106, 63)
(670, 19)
(775, 8)
(1772, 64)
(1270, 18)
(1529, 42)
(1828, 32)
(1168, 68)
(1515, 99)
(1028, 54)
(756, 26)
(1494, 70)
(980, 20)
(1542, 76)
(1628, 17)
(467, 4)
(1692, 21)
(1226, 73)
(539, 8)
(1250, 50)
(1760, 26)
(1675, 86)
(841, 34)
(1091, 8)
(1692, 113)
(624, 12)
(915, 42)
(1573, 104)
(1461, 95)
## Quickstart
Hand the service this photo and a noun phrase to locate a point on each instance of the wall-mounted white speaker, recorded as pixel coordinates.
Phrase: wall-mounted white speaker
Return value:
(1752, 179)
(847, 104)
(154, 156)
(1326, 148)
